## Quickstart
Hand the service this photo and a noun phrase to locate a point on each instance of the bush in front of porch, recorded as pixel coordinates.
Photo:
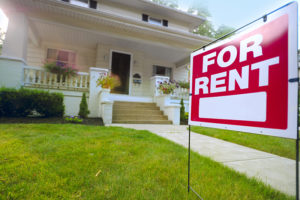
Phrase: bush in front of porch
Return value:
(25, 102)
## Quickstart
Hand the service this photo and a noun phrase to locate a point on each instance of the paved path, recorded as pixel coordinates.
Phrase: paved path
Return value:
(274, 170)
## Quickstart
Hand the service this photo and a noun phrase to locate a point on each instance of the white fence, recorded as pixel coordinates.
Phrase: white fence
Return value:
(180, 93)
(38, 77)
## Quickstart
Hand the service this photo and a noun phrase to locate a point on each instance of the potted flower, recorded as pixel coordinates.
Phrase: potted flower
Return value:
(61, 69)
(108, 82)
(166, 87)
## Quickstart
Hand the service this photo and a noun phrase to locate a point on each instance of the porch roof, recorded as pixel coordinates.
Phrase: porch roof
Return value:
(51, 32)
(92, 19)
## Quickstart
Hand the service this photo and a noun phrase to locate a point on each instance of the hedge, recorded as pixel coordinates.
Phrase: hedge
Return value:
(24, 102)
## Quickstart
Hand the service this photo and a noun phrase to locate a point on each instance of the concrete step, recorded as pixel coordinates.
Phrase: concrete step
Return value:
(137, 112)
(144, 116)
(142, 121)
(133, 103)
(135, 106)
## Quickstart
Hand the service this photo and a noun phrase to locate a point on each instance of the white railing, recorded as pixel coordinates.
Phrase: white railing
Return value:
(181, 93)
(38, 77)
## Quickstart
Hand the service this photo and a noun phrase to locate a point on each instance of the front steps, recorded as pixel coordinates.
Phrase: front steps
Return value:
(138, 113)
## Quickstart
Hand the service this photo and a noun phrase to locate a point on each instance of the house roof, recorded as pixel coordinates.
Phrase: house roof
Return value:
(151, 7)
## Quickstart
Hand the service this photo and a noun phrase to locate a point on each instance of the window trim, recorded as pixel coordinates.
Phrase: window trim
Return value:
(154, 72)
(65, 50)
(151, 20)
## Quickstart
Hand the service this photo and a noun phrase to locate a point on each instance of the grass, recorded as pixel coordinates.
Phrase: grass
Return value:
(275, 145)
(43, 161)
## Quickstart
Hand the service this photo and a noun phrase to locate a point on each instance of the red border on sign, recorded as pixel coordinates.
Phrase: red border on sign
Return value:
(275, 43)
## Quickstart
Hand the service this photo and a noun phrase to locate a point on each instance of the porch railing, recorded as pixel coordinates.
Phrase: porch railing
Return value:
(39, 78)
(180, 93)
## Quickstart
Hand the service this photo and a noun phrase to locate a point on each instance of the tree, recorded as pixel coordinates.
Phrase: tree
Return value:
(195, 8)
(182, 112)
(223, 30)
(83, 109)
(206, 29)
(2, 37)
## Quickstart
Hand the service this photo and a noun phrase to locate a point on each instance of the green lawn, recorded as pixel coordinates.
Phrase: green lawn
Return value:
(44, 161)
(275, 145)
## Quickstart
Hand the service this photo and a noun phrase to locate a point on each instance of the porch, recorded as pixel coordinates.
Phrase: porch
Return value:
(154, 55)
(113, 108)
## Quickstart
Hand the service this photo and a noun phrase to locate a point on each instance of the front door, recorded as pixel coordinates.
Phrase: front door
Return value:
(120, 66)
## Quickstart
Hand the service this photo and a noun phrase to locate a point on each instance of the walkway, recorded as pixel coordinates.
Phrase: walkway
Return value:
(274, 170)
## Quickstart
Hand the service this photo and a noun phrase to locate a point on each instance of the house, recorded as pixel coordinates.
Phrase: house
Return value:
(141, 42)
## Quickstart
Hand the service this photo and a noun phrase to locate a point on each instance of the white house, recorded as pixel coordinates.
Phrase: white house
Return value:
(140, 41)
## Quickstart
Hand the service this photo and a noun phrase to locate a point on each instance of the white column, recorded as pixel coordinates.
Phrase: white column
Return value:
(106, 106)
(154, 83)
(163, 101)
(14, 52)
(15, 44)
(95, 73)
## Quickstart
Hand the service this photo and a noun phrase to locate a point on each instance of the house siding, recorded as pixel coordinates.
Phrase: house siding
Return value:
(137, 15)
(85, 58)
(181, 73)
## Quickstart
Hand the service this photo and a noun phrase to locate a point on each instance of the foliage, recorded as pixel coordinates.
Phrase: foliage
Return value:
(195, 8)
(275, 145)
(169, 3)
(73, 119)
(83, 109)
(24, 102)
(182, 113)
(60, 68)
(205, 29)
(2, 37)
(186, 116)
(166, 87)
(184, 84)
(108, 82)
(47, 161)
(223, 30)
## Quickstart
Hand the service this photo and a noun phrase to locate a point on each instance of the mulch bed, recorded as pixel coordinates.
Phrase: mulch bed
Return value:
(38, 120)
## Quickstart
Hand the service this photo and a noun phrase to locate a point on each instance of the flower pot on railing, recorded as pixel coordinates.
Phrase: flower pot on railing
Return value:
(166, 88)
(62, 70)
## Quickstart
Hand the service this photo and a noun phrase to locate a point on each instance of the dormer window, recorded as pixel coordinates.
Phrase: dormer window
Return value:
(83, 3)
(153, 20)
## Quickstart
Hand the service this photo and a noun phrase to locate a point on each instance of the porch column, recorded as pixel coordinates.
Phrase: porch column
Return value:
(14, 51)
(154, 83)
(15, 44)
(94, 99)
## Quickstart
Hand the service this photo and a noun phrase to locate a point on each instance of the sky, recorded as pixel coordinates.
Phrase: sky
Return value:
(236, 13)
(233, 13)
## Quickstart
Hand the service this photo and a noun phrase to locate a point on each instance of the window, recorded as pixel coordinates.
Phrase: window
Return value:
(162, 71)
(153, 20)
(83, 3)
(63, 57)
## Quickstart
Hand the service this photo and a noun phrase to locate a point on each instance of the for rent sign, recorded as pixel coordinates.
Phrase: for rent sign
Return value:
(243, 83)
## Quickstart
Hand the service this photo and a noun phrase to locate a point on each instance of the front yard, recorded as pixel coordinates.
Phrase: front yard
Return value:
(43, 161)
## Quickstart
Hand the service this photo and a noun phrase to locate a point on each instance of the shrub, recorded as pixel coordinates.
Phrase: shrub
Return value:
(73, 119)
(184, 84)
(83, 109)
(182, 112)
(23, 102)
